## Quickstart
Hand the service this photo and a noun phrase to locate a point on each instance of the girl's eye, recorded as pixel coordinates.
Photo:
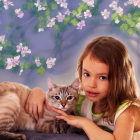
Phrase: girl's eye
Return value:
(86, 74)
(103, 78)
(57, 97)
(69, 98)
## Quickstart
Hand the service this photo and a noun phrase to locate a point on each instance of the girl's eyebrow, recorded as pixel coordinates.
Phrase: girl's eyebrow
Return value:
(103, 73)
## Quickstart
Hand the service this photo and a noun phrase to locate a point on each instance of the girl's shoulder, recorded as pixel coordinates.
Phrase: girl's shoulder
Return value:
(133, 107)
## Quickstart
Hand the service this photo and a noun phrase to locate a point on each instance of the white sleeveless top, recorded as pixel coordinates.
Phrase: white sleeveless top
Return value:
(86, 111)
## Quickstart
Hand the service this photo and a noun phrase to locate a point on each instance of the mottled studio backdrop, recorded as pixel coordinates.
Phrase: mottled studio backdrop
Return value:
(41, 39)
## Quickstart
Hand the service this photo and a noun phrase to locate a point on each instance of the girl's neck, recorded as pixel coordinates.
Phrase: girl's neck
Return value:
(95, 108)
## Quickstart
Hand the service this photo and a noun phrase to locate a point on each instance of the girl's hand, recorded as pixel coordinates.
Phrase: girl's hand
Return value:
(34, 103)
(75, 121)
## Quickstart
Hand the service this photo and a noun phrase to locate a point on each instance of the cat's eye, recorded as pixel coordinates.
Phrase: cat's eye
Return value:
(69, 98)
(57, 97)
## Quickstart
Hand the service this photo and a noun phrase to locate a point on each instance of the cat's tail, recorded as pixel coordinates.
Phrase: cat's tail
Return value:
(4, 135)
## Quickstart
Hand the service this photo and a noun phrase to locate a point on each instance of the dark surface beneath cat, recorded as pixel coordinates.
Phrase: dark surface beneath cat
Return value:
(32, 135)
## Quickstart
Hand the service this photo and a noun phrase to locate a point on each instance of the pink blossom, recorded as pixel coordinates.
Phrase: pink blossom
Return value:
(87, 14)
(2, 38)
(19, 13)
(67, 12)
(25, 50)
(114, 5)
(19, 47)
(105, 14)
(51, 23)
(37, 61)
(12, 62)
(22, 49)
(136, 2)
(90, 3)
(79, 15)
(37, 3)
(81, 24)
(60, 17)
(119, 11)
(50, 62)
(62, 3)
(7, 3)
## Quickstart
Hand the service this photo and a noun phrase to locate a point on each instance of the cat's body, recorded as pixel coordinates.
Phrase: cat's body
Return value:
(13, 117)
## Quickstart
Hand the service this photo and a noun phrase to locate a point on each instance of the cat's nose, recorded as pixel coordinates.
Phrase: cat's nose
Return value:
(63, 105)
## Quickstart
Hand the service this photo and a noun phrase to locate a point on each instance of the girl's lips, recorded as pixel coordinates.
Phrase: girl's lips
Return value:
(92, 94)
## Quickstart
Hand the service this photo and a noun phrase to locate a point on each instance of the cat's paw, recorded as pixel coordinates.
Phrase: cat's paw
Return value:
(19, 137)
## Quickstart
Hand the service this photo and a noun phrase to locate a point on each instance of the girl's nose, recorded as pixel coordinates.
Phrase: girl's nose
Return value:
(92, 83)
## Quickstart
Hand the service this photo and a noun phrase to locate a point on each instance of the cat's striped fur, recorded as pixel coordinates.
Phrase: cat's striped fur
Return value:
(13, 117)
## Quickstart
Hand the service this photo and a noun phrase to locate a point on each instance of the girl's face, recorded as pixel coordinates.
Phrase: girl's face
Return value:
(95, 79)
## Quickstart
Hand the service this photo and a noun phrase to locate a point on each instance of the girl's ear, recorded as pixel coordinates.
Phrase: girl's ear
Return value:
(51, 85)
(75, 84)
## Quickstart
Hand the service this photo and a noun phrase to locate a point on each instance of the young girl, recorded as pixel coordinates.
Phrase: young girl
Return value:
(112, 98)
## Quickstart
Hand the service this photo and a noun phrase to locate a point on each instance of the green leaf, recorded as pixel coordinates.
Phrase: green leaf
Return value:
(0, 58)
(130, 31)
(40, 18)
(43, 62)
(7, 28)
(9, 43)
(130, 23)
(41, 70)
(56, 27)
(74, 12)
(48, 17)
(24, 7)
(22, 65)
(47, 12)
(11, 24)
(41, 25)
(129, 16)
(74, 21)
(63, 27)
(26, 43)
(67, 18)
(124, 27)
(125, 17)
(130, 9)
(136, 14)
(45, 4)
(85, 7)
(30, 5)
(81, 5)
(15, 69)
(114, 16)
(4, 44)
(54, 5)
(79, 10)
(27, 66)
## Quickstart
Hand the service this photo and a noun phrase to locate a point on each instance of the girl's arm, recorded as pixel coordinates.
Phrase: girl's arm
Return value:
(34, 103)
(124, 126)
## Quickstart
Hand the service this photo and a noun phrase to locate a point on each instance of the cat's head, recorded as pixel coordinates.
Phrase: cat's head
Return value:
(63, 97)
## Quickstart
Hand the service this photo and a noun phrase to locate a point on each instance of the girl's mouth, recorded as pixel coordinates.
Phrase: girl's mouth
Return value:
(92, 94)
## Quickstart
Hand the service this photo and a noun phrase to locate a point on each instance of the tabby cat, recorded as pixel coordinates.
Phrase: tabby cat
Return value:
(13, 117)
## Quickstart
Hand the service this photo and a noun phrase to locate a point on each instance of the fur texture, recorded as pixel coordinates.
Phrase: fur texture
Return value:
(13, 117)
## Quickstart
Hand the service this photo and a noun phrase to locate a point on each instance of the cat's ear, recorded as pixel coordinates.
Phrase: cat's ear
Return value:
(51, 85)
(75, 84)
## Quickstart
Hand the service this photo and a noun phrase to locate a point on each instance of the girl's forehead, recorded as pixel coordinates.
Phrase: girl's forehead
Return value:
(94, 64)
